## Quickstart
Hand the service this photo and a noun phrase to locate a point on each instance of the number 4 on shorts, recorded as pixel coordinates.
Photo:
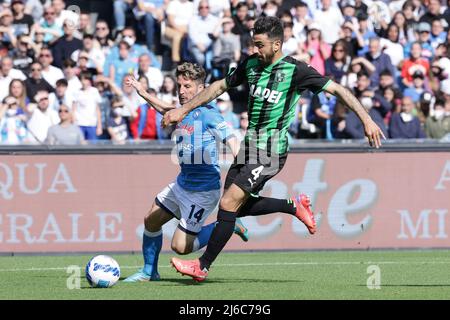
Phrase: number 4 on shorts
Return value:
(255, 172)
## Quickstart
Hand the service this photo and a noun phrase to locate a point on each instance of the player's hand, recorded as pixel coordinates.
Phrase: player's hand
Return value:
(173, 116)
(373, 133)
(130, 81)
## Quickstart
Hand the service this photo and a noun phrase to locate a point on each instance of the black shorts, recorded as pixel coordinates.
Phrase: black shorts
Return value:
(251, 176)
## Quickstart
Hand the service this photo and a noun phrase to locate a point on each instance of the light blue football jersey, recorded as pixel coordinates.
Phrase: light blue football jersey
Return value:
(198, 136)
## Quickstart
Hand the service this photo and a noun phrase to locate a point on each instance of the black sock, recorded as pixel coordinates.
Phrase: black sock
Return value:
(219, 237)
(261, 206)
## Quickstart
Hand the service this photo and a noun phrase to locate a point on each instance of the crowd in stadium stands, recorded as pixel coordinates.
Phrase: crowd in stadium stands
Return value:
(62, 73)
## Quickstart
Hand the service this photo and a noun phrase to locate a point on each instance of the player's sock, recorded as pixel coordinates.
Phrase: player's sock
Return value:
(262, 205)
(151, 247)
(203, 236)
(221, 234)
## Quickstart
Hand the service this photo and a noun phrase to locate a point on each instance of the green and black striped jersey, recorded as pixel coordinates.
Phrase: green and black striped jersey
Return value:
(274, 93)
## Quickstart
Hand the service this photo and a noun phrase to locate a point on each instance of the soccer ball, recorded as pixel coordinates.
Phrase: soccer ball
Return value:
(102, 272)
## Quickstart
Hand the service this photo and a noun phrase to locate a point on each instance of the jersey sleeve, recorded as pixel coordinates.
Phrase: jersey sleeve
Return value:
(237, 75)
(217, 125)
(307, 78)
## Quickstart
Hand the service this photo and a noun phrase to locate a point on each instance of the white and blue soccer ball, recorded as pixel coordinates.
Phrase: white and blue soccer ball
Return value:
(102, 272)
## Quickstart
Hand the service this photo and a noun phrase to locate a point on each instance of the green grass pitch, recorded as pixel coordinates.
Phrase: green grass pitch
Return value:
(242, 276)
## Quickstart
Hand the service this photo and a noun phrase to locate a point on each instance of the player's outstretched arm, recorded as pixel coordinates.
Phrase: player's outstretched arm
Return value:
(211, 92)
(372, 131)
(160, 106)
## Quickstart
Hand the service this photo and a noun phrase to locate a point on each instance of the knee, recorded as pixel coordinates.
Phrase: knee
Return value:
(151, 223)
(180, 248)
(228, 204)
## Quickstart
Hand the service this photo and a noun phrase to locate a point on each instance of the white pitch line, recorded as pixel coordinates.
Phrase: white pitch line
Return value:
(256, 265)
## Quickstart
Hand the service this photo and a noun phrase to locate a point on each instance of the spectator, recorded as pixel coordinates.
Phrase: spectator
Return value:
(329, 18)
(433, 12)
(120, 9)
(85, 26)
(22, 22)
(117, 126)
(350, 41)
(18, 91)
(129, 36)
(66, 45)
(337, 65)
(414, 63)
(290, 44)
(320, 113)
(227, 49)
(168, 91)
(37, 41)
(301, 21)
(220, 8)
(35, 8)
(40, 117)
(7, 35)
(144, 122)
(23, 55)
(60, 96)
(63, 16)
(102, 36)
(50, 73)
(153, 12)
(438, 34)
(240, 27)
(122, 66)
(405, 28)
(36, 82)
(96, 55)
(7, 74)
(380, 60)
(354, 128)
(179, 14)
(317, 48)
(363, 34)
(70, 73)
(379, 14)
(83, 65)
(424, 30)
(405, 125)
(203, 30)
(86, 108)
(48, 26)
(418, 87)
(12, 122)
(154, 75)
(438, 124)
(130, 99)
(65, 132)
(391, 46)
(225, 106)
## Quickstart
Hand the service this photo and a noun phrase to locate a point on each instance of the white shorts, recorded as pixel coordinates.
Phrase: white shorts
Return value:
(190, 207)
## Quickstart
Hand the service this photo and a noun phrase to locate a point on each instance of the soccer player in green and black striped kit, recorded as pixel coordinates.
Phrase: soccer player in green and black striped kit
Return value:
(276, 83)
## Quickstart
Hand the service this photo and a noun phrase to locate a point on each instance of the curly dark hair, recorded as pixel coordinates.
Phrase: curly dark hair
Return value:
(272, 26)
(191, 71)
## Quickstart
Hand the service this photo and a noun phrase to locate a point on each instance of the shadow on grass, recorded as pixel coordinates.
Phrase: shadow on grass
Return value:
(411, 285)
(189, 281)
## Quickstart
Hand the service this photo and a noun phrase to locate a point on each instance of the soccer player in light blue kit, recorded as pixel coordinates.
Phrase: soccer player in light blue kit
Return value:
(196, 192)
